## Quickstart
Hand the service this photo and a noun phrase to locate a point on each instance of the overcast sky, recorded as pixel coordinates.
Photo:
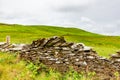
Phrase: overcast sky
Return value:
(100, 16)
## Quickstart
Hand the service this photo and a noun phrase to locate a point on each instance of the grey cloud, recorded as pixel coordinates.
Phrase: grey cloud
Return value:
(100, 16)
(105, 11)
(76, 6)
(73, 9)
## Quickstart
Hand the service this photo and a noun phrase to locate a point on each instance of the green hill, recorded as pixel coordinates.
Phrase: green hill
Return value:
(11, 68)
(17, 32)
(26, 34)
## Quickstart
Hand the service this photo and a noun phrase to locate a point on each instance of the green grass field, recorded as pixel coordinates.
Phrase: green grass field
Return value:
(104, 45)
(13, 69)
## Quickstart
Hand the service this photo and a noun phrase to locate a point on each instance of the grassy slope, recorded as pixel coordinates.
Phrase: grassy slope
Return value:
(25, 34)
(17, 32)
(12, 69)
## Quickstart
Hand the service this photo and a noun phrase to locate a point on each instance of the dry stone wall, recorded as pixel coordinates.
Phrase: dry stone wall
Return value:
(115, 59)
(4, 47)
(58, 54)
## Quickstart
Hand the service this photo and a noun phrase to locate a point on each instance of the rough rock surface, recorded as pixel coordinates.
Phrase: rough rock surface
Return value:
(58, 54)
(115, 59)
(4, 47)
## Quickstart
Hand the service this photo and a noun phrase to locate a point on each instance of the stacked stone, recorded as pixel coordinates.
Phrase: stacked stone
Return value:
(58, 54)
(115, 59)
(5, 47)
